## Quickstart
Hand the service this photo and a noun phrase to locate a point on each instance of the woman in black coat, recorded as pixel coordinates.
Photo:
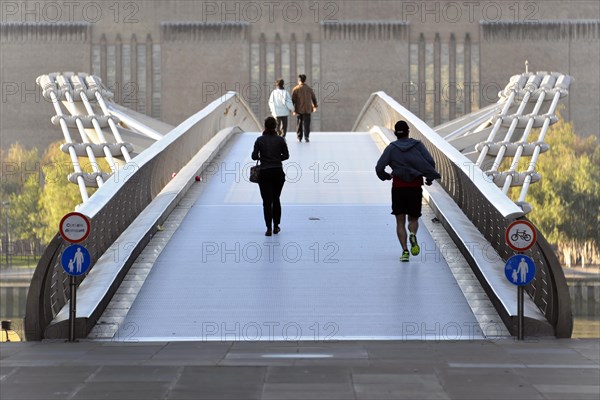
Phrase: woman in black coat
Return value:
(271, 149)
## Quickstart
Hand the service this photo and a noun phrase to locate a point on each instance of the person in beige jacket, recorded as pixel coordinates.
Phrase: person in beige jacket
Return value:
(305, 103)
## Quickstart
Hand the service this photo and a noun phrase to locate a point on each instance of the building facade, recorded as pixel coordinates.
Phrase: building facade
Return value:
(168, 59)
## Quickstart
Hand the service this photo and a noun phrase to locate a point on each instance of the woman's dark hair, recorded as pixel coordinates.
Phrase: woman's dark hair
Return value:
(302, 78)
(280, 83)
(270, 125)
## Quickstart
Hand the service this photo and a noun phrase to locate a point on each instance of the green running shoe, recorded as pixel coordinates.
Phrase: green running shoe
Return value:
(405, 256)
(414, 246)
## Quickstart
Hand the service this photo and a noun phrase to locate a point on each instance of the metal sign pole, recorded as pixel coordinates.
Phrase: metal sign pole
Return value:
(72, 308)
(74, 227)
(521, 235)
(520, 316)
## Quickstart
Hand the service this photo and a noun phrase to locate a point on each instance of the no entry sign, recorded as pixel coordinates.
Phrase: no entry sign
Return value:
(75, 227)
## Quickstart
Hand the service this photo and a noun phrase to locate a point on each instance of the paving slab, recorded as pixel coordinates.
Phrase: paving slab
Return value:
(488, 369)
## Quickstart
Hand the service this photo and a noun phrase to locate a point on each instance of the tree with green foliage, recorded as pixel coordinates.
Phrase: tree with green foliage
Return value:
(19, 190)
(59, 196)
(23, 211)
(18, 164)
(38, 191)
(566, 203)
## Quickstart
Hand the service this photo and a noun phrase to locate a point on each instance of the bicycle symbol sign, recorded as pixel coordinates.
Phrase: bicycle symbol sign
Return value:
(521, 235)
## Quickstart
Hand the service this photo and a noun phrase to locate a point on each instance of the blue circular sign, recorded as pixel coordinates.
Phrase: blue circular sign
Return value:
(519, 270)
(76, 260)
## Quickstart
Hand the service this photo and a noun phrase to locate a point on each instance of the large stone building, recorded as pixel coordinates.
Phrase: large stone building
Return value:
(168, 59)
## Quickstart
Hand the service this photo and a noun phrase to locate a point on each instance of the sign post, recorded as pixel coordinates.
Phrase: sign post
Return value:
(72, 308)
(74, 228)
(520, 313)
(75, 261)
(520, 269)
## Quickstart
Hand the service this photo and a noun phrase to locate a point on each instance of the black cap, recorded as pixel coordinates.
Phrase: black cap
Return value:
(401, 126)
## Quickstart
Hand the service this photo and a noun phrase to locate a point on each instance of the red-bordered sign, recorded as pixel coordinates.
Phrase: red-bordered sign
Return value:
(75, 227)
(521, 235)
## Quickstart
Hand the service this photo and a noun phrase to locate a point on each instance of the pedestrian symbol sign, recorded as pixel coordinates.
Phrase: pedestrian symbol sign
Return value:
(519, 270)
(75, 260)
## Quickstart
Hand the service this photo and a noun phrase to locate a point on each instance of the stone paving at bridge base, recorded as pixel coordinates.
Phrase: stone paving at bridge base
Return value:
(412, 369)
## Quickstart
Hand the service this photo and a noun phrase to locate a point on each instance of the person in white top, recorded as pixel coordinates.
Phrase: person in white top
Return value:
(280, 103)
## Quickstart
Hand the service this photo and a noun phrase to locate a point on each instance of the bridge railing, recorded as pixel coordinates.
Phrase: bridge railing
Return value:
(488, 209)
(121, 200)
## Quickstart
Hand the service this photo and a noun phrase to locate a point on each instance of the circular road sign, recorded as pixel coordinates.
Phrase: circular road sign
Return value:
(521, 235)
(519, 269)
(75, 227)
(75, 260)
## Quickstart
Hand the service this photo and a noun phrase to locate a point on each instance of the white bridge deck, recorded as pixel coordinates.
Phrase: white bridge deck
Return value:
(333, 273)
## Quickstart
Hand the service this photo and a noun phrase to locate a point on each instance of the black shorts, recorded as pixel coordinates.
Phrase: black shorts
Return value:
(407, 200)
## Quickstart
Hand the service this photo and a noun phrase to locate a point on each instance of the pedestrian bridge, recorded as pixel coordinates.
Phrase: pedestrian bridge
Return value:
(176, 258)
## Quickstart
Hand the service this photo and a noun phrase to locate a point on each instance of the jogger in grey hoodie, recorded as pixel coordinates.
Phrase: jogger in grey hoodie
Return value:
(410, 163)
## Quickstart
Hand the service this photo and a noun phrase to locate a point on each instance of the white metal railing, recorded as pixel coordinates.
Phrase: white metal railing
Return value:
(482, 202)
(121, 200)
(529, 101)
(383, 110)
(93, 122)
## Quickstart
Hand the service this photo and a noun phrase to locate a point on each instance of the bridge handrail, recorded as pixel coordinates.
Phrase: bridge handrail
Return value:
(483, 203)
(121, 199)
(368, 118)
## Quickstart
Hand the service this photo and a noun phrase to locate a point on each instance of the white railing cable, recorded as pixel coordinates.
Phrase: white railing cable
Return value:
(48, 85)
(515, 120)
(496, 127)
(64, 83)
(80, 88)
(95, 88)
(533, 90)
(475, 123)
(538, 146)
(515, 163)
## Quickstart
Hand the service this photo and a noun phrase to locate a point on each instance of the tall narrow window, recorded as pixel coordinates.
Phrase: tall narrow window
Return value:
(252, 92)
(270, 68)
(128, 87)
(156, 81)
(316, 62)
(126, 63)
(325, 91)
(300, 66)
(430, 85)
(111, 68)
(445, 83)
(285, 64)
(411, 91)
(141, 75)
(96, 67)
(476, 86)
(460, 79)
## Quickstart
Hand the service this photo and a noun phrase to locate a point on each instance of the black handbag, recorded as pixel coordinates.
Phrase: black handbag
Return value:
(254, 172)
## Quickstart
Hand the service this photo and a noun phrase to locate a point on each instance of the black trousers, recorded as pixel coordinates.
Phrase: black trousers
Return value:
(271, 182)
(303, 126)
(282, 124)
